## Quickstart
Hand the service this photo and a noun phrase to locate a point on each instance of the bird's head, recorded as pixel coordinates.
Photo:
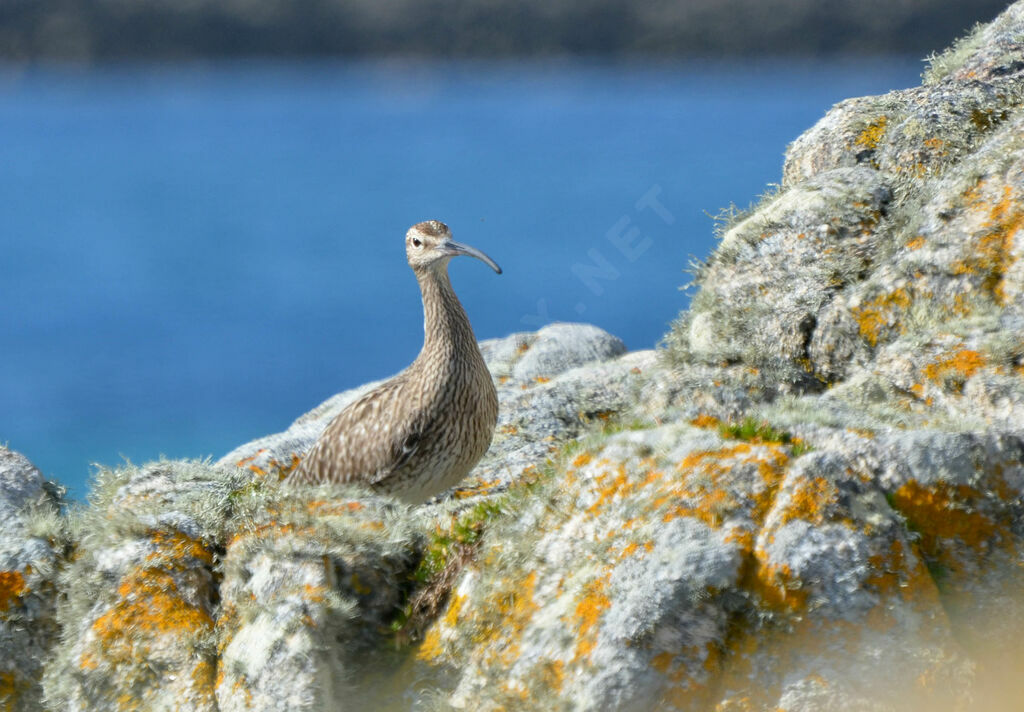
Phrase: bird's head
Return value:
(429, 245)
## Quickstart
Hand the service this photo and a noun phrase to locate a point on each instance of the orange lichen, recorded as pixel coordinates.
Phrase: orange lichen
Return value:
(150, 617)
(811, 500)
(286, 468)
(688, 671)
(9, 692)
(325, 508)
(899, 572)
(955, 368)
(149, 603)
(275, 528)
(707, 460)
(589, 610)
(508, 611)
(430, 649)
(176, 547)
(451, 617)
(880, 313)
(705, 421)
(551, 674)
(246, 462)
(204, 682)
(280, 469)
(776, 586)
(611, 486)
(992, 249)
(870, 136)
(961, 305)
(662, 661)
(916, 244)
(582, 459)
(315, 594)
(477, 487)
(633, 547)
(705, 493)
(941, 511)
(12, 586)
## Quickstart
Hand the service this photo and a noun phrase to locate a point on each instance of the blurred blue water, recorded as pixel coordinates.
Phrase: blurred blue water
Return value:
(192, 257)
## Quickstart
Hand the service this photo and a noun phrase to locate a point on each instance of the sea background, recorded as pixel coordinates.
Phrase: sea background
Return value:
(193, 255)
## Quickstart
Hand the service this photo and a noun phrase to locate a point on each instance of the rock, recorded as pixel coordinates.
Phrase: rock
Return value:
(310, 588)
(32, 539)
(889, 255)
(559, 347)
(142, 591)
(240, 591)
(775, 271)
(668, 567)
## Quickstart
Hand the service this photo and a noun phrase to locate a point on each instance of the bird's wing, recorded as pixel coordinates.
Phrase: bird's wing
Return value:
(367, 441)
(404, 452)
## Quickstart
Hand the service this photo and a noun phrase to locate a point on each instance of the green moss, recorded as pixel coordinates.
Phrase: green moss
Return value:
(758, 431)
(466, 530)
(451, 547)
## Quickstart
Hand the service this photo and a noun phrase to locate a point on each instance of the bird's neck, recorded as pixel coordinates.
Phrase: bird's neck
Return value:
(446, 328)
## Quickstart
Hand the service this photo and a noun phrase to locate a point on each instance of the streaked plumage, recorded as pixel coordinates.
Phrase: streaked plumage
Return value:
(421, 432)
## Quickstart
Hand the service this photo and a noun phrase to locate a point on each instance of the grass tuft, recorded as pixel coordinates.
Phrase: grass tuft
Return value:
(758, 431)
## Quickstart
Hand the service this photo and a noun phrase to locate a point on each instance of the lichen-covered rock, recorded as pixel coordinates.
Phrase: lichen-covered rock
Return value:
(31, 552)
(141, 591)
(207, 587)
(890, 258)
(872, 310)
(785, 263)
(557, 348)
(312, 582)
(672, 569)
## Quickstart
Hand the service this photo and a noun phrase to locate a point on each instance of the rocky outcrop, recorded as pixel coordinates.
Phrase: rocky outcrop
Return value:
(811, 498)
(206, 586)
(32, 539)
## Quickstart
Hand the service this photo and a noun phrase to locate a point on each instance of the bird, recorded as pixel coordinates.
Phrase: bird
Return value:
(421, 432)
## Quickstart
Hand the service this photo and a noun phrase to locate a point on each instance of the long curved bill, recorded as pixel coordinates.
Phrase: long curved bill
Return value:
(457, 248)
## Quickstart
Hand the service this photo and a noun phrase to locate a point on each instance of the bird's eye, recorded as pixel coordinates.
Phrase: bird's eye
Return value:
(416, 242)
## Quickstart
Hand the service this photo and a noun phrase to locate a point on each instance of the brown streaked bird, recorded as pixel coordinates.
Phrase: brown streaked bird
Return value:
(421, 432)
